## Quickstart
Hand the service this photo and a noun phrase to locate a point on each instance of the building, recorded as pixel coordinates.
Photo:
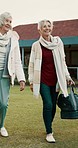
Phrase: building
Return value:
(67, 30)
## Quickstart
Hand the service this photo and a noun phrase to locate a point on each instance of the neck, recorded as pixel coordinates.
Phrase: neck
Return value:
(2, 31)
(47, 38)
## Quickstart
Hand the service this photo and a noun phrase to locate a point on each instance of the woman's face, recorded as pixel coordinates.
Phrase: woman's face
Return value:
(46, 29)
(7, 25)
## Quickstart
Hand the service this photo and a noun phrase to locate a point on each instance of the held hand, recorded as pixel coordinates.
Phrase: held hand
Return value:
(70, 82)
(31, 87)
(22, 85)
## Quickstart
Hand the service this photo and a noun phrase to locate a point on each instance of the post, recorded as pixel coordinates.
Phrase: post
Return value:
(23, 56)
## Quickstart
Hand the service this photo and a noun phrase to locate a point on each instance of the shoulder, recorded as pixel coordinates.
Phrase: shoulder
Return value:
(36, 46)
(35, 43)
(15, 34)
(57, 39)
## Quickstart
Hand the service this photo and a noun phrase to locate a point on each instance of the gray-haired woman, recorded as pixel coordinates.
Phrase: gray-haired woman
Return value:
(10, 65)
(48, 72)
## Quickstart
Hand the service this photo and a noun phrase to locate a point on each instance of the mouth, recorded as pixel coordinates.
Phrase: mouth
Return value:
(7, 26)
(47, 31)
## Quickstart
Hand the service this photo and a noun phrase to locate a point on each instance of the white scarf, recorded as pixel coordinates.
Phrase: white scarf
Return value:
(4, 39)
(50, 45)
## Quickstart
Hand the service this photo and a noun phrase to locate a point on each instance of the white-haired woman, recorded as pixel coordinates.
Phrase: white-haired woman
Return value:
(10, 65)
(48, 72)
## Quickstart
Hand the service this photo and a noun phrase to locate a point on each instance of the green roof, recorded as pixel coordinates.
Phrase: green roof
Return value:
(73, 40)
(70, 40)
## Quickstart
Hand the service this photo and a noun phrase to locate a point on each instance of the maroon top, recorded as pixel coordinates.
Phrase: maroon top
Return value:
(48, 72)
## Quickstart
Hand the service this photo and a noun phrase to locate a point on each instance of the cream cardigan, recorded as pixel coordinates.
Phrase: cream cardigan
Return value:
(14, 61)
(61, 68)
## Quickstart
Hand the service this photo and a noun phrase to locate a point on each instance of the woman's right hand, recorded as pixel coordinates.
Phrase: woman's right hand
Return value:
(31, 87)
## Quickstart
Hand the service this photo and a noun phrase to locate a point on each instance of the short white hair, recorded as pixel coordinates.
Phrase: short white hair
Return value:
(42, 22)
(4, 16)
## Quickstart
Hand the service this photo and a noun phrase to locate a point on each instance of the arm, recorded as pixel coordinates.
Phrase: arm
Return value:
(19, 68)
(31, 68)
(67, 74)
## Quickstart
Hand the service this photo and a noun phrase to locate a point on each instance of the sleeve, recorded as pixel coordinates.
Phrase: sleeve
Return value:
(31, 65)
(19, 72)
(67, 74)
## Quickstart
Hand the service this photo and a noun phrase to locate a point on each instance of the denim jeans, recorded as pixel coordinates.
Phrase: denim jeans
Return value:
(49, 97)
(4, 96)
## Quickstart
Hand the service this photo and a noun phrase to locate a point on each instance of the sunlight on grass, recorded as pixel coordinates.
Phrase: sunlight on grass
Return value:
(25, 124)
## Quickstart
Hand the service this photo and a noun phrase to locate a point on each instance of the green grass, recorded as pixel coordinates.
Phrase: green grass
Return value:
(26, 128)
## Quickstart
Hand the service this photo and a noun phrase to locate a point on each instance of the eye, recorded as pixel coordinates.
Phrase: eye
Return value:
(49, 25)
(44, 26)
(8, 21)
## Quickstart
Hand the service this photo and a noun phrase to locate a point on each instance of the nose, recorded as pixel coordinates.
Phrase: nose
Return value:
(9, 23)
(47, 28)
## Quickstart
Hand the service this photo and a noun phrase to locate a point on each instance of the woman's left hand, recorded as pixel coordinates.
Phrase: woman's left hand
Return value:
(70, 82)
(22, 85)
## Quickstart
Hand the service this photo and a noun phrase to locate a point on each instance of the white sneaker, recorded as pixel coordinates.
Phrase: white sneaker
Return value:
(50, 138)
(3, 132)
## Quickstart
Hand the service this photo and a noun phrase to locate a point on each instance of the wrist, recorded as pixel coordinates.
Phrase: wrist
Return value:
(22, 81)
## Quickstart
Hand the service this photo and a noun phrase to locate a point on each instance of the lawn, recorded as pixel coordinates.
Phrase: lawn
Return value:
(25, 124)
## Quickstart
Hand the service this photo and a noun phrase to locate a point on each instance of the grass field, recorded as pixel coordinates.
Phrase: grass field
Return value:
(25, 124)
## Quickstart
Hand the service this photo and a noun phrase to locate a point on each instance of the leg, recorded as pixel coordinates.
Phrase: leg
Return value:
(54, 95)
(47, 106)
(4, 95)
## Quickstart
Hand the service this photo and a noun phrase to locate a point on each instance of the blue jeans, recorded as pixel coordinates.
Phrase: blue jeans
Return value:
(4, 96)
(49, 98)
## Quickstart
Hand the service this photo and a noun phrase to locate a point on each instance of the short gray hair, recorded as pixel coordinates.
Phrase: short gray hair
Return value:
(4, 16)
(42, 22)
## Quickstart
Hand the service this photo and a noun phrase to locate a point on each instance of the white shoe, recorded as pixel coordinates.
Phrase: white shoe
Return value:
(50, 138)
(3, 132)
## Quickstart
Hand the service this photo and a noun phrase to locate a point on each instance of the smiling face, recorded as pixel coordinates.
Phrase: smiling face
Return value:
(45, 29)
(5, 22)
(7, 25)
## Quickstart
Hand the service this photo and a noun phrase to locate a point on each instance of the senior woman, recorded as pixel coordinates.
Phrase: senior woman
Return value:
(10, 65)
(48, 72)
